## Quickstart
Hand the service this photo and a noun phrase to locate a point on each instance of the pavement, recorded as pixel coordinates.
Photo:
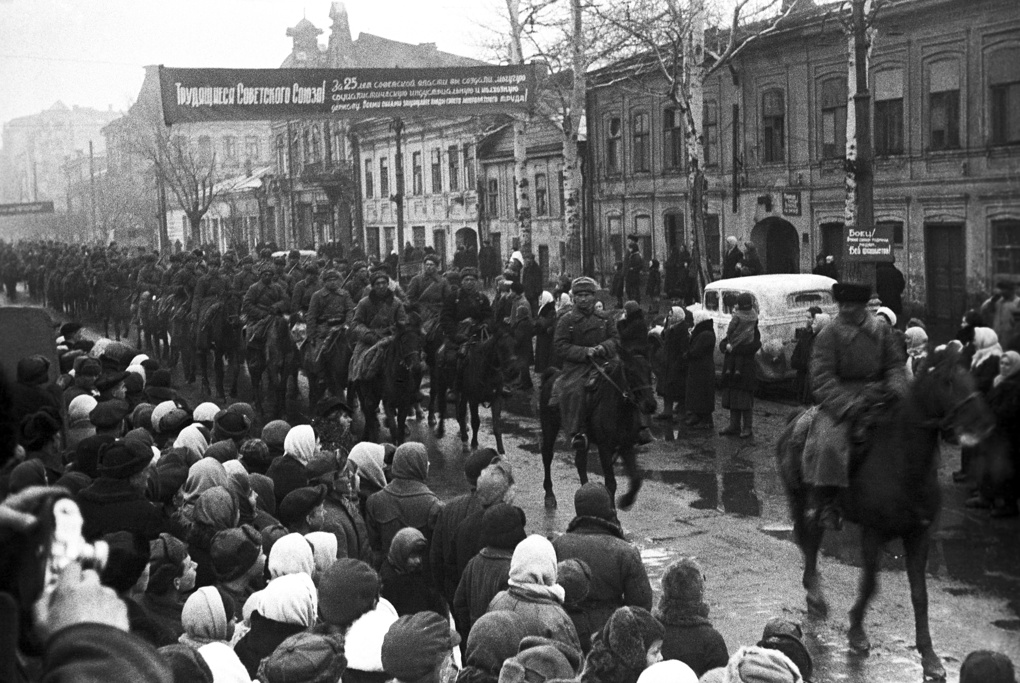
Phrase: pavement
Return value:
(720, 500)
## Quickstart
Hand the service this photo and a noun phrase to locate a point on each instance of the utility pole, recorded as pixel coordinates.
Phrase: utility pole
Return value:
(92, 187)
(398, 128)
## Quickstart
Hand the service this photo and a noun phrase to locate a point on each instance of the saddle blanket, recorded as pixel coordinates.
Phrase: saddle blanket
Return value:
(825, 459)
(367, 360)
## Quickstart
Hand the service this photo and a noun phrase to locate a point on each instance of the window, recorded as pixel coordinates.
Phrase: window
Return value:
(281, 154)
(416, 179)
(316, 155)
(369, 185)
(251, 148)
(541, 195)
(834, 101)
(1004, 83)
(388, 236)
(710, 132)
(384, 177)
(639, 131)
(418, 237)
(614, 226)
(562, 192)
(613, 145)
(469, 167)
(306, 146)
(672, 139)
(889, 112)
(773, 126)
(229, 148)
(944, 105)
(372, 241)
(1006, 248)
(453, 157)
(895, 229)
(205, 153)
(492, 198)
(437, 171)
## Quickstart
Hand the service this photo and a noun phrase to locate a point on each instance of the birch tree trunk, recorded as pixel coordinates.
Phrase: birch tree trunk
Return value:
(859, 208)
(572, 180)
(520, 137)
(693, 83)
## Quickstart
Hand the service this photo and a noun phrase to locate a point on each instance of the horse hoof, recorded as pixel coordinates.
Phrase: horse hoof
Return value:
(550, 500)
(432, 420)
(626, 501)
(817, 606)
(859, 640)
(932, 667)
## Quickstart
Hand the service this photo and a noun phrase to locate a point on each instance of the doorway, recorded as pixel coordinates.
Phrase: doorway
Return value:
(778, 245)
(945, 255)
(833, 238)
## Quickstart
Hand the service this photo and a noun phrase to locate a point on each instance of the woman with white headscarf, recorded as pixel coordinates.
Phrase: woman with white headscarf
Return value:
(291, 554)
(192, 440)
(289, 472)
(288, 605)
(545, 325)
(917, 349)
(985, 364)
(700, 389)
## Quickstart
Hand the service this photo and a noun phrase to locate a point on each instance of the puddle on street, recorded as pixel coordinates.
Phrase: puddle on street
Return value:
(732, 492)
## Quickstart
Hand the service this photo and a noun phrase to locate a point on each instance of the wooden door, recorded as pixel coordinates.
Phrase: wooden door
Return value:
(945, 278)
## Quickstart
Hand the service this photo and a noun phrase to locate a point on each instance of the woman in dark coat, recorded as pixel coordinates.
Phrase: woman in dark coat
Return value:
(996, 466)
(545, 325)
(751, 264)
(740, 377)
(404, 581)
(654, 286)
(671, 380)
(689, 635)
(616, 289)
(700, 397)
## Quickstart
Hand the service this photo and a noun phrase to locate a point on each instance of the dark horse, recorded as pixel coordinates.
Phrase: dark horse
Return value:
(220, 332)
(481, 381)
(152, 327)
(274, 356)
(327, 365)
(620, 394)
(894, 491)
(396, 385)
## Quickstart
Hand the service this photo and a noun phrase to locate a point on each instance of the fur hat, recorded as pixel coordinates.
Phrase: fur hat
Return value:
(234, 551)
(786, 637)
(593, 500)
(415, 644)
(478, 461)
(627, 636)
(468, 272)
(503, 527)
(166, 562)
(683, 592)
(575, 577)
(230, 425)
(347, 590)
(305, 658)
(33, 369)
(851, 292)
(123, 458)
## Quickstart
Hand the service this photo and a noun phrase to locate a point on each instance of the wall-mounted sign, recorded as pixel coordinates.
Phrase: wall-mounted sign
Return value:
(791, 202)
(870, 244)
(266, 94)
(25, 208)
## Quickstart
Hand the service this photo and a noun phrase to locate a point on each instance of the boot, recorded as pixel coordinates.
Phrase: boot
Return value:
(733, 429)
(748, 419)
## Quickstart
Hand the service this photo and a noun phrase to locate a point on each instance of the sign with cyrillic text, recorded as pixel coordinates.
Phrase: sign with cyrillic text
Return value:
(869, 244)
(25, 208)
(265, 94)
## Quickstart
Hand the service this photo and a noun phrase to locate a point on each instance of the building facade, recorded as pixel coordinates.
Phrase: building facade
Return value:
(945, 86)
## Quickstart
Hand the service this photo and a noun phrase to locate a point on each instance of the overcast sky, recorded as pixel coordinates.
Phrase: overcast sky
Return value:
(91, 52)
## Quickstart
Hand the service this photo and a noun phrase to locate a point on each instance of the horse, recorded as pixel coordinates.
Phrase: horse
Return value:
(396, 385)
(152, 326)
(219, 331)
(327, 365)
(621, 393)
(274, 357)
(893, 492)
(481, 381)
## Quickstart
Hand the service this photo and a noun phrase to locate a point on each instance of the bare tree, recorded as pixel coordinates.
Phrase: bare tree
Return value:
(670, 59)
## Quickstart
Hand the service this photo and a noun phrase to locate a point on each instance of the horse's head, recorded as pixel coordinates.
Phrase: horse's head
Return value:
(503, 346)
(947, 392)
(409, 338)
(637, 370)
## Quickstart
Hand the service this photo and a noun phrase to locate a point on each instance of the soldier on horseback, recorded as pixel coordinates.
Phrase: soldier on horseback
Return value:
(245, 277)
(330, 310)
(583, 335)
(305, 289)
(428, 291)
(263, 299)
(213, 288)
(857, 370)
(464, 313)
(375, 318)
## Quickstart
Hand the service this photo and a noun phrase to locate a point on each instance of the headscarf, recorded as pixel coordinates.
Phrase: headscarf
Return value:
(533, 568)
(224, 663)
(239, 486)
(202, 476)
(324, 547)
(889, 315)
(544, 298)
(370, 459)
(138, 360)
(138, 370)
(363, 640)
(79, 410)
(1014, 367)
(986, 344)
(300, 443)
(216, 508)
(290, 599)
(700, 315)
(291, 554)
(408, 541)
(668, 671)
(204, 617)
(192, 439)
(762, 664)
(917, 342)
(411, 461)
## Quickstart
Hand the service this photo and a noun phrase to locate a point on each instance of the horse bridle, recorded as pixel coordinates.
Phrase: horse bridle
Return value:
(627, 395)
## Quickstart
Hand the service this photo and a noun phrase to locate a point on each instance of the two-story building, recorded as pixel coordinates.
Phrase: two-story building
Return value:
(945, 88)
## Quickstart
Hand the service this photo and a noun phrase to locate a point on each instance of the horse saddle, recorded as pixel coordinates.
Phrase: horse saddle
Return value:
(258, 331)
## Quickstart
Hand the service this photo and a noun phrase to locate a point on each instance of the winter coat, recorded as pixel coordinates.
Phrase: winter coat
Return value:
(543, 616)
(377, 315)
(461, 305)
(576, 332)
(694, 641)
(485, 575)
(31, 398)
(985, 373)
(616, 288)
(701, 370)
(342, 518)
(410, 593)
(635, 266)
(406, 501)
(634, 335)
(545, 325)
(109, 505)
(288, 474)
(618, 578)
(740, 377)
(263, 638)
(732, 258)
(889, 286)
(654, 286)
(531, 278)
(327, 305)
(443, 550)
(671, 381)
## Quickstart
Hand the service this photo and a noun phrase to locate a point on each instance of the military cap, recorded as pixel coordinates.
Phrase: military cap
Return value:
(584, 284)
(468, 272)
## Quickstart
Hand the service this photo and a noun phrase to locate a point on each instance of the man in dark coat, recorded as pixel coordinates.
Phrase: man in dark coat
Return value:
(33, 390)
(583, 336)
(733, 258)
(464, 312)
(531, 278)
(488, 262)
(857, 369)
(116, 500)
(700, 397)
(889, 285)
(594, 536)
(634, 269)
(428, 291)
